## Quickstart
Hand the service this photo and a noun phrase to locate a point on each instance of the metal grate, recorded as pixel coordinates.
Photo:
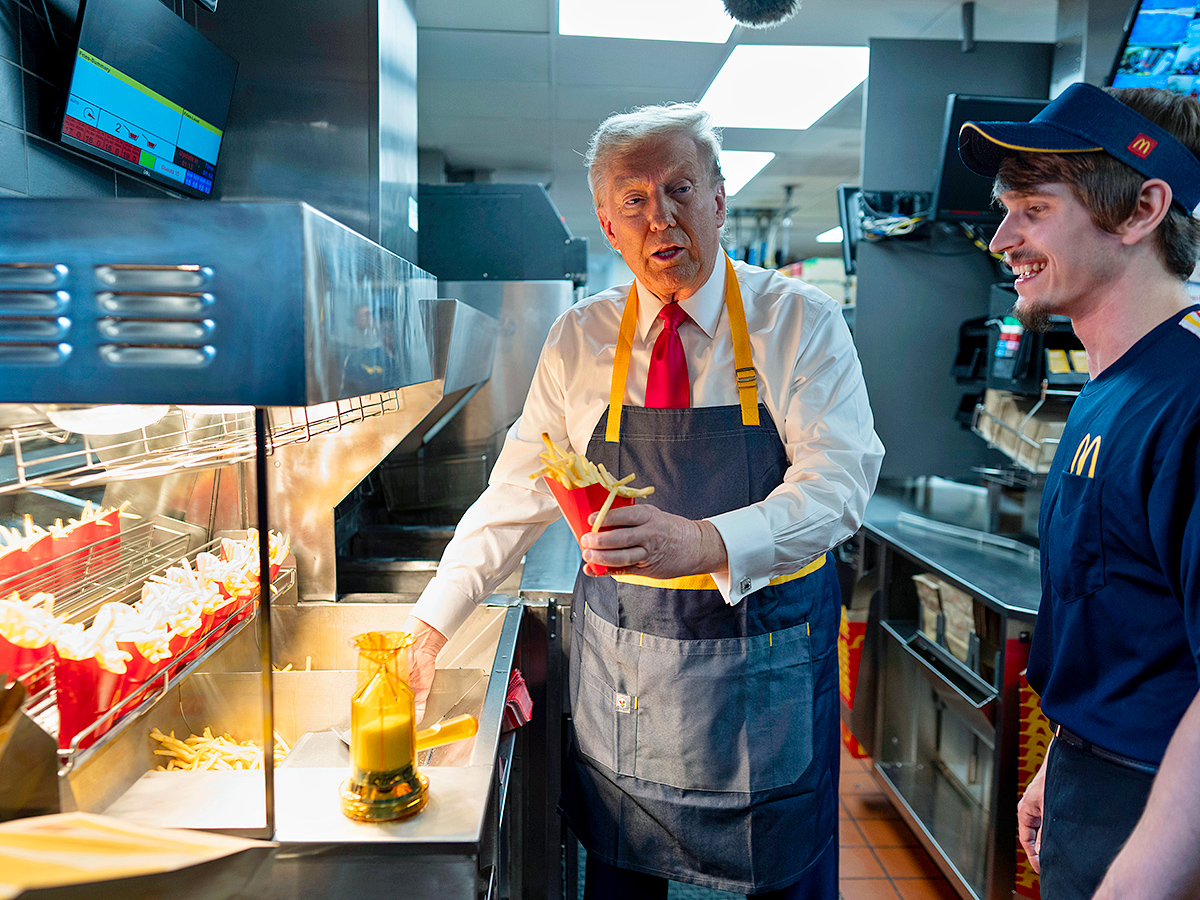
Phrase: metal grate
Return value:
(36, 453)
(41, 705)
(105, 568)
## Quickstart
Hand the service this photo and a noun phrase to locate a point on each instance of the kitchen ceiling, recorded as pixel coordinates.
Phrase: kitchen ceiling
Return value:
(503, 95)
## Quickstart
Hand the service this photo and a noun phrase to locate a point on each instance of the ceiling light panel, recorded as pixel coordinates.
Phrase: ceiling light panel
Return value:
(762, 86)
(739, 166)
(658, 20)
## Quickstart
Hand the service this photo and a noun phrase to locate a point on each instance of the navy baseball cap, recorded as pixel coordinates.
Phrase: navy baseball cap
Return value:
(1085, 119)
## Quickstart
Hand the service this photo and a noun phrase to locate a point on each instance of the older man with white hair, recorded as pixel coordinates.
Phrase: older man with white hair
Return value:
(703, 673)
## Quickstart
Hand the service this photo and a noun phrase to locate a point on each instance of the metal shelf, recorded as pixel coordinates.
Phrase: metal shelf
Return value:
(42, 706)
(38, 454)
(1037, 453)
(95, 573)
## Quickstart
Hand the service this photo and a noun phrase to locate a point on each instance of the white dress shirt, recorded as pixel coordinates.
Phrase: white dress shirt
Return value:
(808, 377)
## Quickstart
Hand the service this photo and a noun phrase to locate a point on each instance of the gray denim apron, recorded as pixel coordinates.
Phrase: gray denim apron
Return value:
(705, 739)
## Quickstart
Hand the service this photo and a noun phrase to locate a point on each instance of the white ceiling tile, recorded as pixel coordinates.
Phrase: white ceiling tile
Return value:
(488, 100)
(482, 56)
(484, 15)
(676, 67)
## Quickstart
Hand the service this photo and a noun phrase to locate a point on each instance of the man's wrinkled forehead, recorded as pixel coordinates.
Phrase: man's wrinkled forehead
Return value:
(658, 158)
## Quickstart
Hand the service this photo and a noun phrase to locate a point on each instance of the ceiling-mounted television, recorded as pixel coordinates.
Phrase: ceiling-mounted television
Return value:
(960, 195)
(849, 201)
(148, 93)
(1161, 48)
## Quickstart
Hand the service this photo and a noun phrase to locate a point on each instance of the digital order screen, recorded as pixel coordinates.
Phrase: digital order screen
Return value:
(149, 93)
(1162, 48)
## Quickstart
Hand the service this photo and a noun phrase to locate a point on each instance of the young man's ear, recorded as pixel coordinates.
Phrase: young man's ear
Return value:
(1153, 204)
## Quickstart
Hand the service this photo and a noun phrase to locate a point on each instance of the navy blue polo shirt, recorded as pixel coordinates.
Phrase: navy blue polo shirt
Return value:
(1114, 653)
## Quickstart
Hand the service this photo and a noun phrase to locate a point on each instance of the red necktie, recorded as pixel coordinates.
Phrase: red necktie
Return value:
(667, 383)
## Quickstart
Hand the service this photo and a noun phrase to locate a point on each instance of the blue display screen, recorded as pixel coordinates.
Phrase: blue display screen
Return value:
(148, 93)
(1162, 48)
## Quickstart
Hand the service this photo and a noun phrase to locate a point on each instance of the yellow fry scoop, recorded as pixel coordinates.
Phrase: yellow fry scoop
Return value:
(447, 732)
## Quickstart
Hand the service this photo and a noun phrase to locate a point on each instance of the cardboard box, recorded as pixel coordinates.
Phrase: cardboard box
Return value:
(928, 588)
(958, 607)
(1027, 429)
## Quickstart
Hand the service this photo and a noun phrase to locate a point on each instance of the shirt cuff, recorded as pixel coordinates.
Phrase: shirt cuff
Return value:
(750, 548)
(443, 606)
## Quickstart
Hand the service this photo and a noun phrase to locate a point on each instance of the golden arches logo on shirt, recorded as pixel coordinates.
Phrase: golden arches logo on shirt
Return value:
(1089, 450)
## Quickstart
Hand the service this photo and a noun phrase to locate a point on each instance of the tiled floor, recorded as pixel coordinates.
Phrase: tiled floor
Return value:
(881, 859)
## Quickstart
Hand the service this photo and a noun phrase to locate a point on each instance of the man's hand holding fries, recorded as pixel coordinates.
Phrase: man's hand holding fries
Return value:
(640, 539)
(644, 540)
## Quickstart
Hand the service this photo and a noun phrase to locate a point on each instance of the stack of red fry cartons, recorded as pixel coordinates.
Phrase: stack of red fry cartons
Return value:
(126, 646)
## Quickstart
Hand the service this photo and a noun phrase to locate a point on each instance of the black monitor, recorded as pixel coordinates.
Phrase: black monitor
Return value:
(959, 195)
(1161, 48)
(850, 218)
(149, 94)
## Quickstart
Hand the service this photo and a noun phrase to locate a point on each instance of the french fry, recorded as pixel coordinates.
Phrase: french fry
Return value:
(608, 502)
(209, 752)
(574, 471)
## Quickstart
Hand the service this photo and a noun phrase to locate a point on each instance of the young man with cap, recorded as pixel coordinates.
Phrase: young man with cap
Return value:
(1099, 192)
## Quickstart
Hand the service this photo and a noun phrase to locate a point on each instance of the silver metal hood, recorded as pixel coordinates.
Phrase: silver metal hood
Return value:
(265, 304)
(248, 304)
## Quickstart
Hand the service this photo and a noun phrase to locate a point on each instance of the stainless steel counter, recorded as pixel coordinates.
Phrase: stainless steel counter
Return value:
(941, 729)
(1005, 574)
(551, 565)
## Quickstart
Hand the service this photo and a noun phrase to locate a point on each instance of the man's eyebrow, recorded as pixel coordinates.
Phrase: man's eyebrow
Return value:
(677, 174)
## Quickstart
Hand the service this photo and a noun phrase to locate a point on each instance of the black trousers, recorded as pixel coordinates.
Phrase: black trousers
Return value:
(1090, 809)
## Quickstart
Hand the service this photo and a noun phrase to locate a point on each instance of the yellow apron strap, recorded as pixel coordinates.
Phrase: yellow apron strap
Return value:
(616, 392)
(705, 582)
(747, 383)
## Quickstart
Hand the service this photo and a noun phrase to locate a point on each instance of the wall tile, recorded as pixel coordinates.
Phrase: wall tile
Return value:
(13, 170)
(12, 94)
(55, 172)
(43, 108)
(10, 31)
(39, 51)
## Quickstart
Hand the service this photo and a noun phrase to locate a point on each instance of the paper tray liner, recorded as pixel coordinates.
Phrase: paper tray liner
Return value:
(82, 856)
(577, 504)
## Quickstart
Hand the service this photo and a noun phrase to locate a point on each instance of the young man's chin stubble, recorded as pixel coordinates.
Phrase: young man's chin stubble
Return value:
(1032, 319)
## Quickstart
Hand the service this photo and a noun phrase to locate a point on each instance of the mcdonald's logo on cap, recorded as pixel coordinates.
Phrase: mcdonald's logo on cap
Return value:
(1142, 145)
(1089, 446)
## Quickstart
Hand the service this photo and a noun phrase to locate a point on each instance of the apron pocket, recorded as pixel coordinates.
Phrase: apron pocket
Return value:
(727, 715)
(595, 721)
(603, 701)
(784, 749)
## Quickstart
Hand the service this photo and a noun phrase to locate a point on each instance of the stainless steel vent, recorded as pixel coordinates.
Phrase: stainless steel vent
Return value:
(35, 313)
(266, 304)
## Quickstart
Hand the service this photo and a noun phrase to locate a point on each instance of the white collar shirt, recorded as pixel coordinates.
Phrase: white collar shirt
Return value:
(809, 378)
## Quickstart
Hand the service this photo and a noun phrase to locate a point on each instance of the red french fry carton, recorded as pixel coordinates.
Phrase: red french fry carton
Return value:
(577, 504)
(15, 571)
(138, 671)
(39, 557)
(84, 690)
(18, 661)
(71, 552)
(104, 541)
